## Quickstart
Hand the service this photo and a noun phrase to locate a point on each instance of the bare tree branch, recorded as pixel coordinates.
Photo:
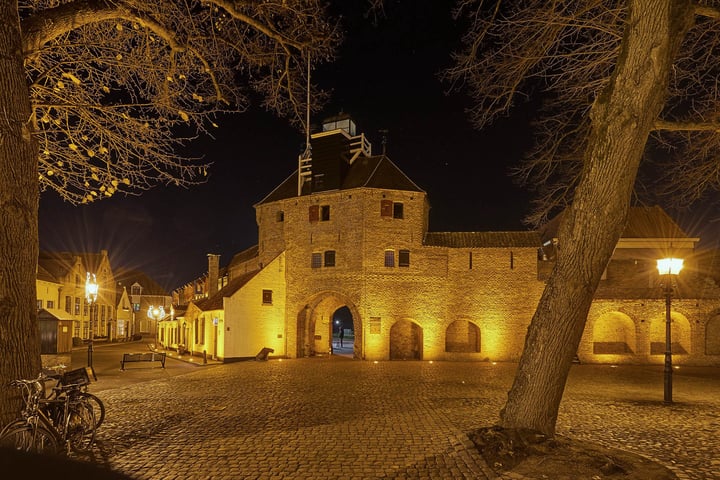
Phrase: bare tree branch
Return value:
(120, 86)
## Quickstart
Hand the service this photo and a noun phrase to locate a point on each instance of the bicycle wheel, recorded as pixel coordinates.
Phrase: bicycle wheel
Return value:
(80, 432)
(23, 437)
(97, 405)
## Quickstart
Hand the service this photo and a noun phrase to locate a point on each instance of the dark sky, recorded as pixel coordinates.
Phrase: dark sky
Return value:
(386, 77)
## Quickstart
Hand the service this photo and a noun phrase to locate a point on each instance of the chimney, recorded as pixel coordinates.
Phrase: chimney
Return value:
(213, 273)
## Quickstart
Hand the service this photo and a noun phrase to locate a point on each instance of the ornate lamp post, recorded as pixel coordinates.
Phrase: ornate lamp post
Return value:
(668, 268)
(157, 313)
(91, 293)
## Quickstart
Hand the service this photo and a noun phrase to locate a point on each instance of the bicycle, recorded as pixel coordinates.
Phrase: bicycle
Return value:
(81, 378)
(62, 424)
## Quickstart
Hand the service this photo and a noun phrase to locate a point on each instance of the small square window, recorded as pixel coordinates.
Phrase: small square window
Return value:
(39, 304)
(50, 304)
(324, 213)
(316, 260)
(330, 258)
(398, 210)
(389, 258)
(267, 297)
(404, 258)
(280, 217)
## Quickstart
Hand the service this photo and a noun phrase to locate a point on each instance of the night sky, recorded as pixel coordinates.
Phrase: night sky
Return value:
(386, 77)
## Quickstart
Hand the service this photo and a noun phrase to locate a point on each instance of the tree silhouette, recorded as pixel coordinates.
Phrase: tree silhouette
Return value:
(616, 77)
(98, 96)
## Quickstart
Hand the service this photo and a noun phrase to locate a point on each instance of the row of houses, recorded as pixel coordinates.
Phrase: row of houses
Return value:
(119, 311)
(349, 231)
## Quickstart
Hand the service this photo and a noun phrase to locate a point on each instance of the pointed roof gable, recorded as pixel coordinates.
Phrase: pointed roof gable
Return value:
(129, 277)
(643, 223)
(215, 301)
(368, 172)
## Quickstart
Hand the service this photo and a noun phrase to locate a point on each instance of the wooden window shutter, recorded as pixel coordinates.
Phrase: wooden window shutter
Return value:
(386, 208)
(314, 213)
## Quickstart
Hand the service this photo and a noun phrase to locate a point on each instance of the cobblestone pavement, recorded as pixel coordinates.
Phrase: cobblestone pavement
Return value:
(331, 417)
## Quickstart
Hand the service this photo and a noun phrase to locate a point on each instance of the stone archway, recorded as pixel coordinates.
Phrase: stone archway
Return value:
(614, 334)
(712, 336)
(406, 341)
(679, 334)
(462, 336)
(315, 327)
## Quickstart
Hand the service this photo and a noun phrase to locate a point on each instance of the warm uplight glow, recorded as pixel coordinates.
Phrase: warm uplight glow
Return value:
(669, 266)
(91, 288)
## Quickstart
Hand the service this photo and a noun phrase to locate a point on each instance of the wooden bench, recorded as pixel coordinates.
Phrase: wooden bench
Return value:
(142, 357)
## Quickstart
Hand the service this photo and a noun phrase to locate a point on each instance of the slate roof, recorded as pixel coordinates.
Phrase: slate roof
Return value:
(370, 172)
(244, 256)
(44, 275)
(128, 277)
(482, 239)
(215, 301)
(643, 222)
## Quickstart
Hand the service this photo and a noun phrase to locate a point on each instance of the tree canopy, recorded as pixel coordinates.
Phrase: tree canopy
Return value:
(118, 86)
(565, 53)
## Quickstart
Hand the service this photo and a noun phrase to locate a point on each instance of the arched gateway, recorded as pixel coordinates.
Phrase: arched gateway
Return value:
(315, 325)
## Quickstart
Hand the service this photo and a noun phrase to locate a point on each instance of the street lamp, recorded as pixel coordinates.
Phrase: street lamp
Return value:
(91, 293)
(157, 313)
(669, 268)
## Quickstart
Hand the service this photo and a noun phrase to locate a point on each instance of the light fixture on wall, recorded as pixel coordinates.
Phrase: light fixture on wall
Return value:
(668, 268)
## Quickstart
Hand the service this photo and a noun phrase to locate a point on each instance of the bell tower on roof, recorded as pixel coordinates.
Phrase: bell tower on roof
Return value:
(324, 166)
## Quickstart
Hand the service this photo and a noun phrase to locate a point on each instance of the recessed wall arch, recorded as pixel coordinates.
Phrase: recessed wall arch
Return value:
(679, 334)
(712, 335)
(614, 333)
(406, 340)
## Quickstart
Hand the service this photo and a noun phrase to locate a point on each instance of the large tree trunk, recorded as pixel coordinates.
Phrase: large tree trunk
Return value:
(19, 197)
(622, 119)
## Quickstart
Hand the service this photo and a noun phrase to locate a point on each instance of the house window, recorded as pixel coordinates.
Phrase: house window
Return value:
(330, 258)
(136, 307)
(280, 216)
(68, 304)
(404, 258)
(136, 290)
(314, 213)
(39, 304)
(316, 260)
(389, 258)
(267, 297)
(388, 208)
(77, 305)
(325, 213)
(50, 304)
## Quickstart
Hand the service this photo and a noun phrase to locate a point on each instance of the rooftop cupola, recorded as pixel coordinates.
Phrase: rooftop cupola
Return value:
(333, 150)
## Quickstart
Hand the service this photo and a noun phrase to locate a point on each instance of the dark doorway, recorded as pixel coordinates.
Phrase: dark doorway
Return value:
(343, 337)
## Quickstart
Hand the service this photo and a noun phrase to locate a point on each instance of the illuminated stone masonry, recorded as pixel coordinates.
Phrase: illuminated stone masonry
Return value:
(352, 231)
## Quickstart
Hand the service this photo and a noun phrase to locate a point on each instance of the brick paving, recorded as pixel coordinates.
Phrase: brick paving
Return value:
(331, 417)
